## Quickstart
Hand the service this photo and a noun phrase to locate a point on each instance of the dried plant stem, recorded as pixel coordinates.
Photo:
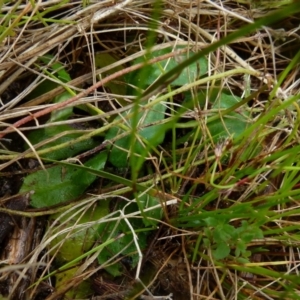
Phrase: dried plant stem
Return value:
(87, 91)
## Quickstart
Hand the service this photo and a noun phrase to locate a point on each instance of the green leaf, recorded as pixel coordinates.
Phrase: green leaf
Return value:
(206, 243)
(57, 69)
(76, 242)
(222, 233)
(61, 114)
(250, 235)
(231, 124)
(147, 201)
(212, 222)
(125, 245)
(240, 248)
(154, 71)
(154, 134)
(222, 251)
(103, 60)
(46, 133)
(81, 291)
(242, 260)
(247, 253)
(60, 183)
(40, 135)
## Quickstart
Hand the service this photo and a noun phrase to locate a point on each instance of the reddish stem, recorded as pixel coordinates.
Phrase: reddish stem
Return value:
(87, 91)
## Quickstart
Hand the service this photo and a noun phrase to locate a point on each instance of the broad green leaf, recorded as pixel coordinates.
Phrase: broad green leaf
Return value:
(77, 242)
(61, 183)
(43, 88)
(220, 234)
(240, 248)
(154, 134)
(222, 251)
(61, 114)
(42, 134)
(228, 125)
(81, 291)
(147, 201)
(247, 253)
(249, 236)
(154, 71)
(125, 245)
(103, 60)
(57, 69)
(212, 222)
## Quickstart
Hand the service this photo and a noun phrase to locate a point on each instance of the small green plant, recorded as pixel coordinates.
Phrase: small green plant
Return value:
(179, 131)
(222, 237)
(150, 135)
(132, 219)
